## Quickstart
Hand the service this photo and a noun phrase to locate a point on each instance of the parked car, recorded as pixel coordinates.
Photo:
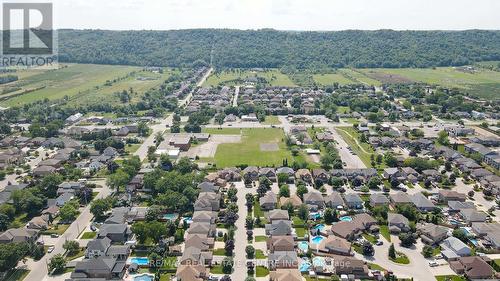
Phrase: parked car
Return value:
(433, 264)
(50, 249)
(379, 243)
(54, 235)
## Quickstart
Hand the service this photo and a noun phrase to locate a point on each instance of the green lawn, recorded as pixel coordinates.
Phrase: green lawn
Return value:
(260, 238)
(17, 275)
(273, 77)
(249, 152)
(450, 277)
(219, 252)
(261, 271)
(401, 258)
(132, 148)
(259, 254)
(384, 231)
(257, 211)
(58, 229)
(75, 255)
(374, 266)
(271, 120)
(359, 77)
(89, 235)
(301, 231)
(369, 238)
(222, 131)
(297, 221)
(169, 263)
(216, 269)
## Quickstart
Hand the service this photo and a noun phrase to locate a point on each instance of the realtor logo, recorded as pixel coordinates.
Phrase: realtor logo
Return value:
(27, 29)
(28, 38)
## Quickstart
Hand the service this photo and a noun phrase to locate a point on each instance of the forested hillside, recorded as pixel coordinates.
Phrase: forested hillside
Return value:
(271, 48)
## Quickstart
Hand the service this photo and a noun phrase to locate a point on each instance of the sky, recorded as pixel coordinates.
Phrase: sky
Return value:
(277, 14)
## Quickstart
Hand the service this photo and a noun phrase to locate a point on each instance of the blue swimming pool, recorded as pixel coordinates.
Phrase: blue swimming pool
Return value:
(303, 246)
(305, 265)
(188, 220)
(319, 261)
(345, 218)
(315, 216)
(141, 261)
(319, 227)
(317, 239)
(144, 277)
(170, 217)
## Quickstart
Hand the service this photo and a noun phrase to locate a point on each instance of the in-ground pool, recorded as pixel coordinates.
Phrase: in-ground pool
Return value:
(305, 265)
(318, 262)
(141, 261)
(345, 218)
(319, 227)
(144, 277)
(317, 239)
(315, 216)
(303, 246)
(170, 217)
(188, 220)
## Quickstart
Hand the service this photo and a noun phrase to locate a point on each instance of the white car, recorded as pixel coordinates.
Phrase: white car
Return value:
(433, 263)
(50, 249)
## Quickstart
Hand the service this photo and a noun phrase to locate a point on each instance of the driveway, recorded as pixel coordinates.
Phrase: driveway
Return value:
(418, 268)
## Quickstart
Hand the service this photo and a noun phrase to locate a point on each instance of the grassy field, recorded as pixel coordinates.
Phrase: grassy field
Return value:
(81, 83)
(17, 275)
(330, 78)
(273, 76)
(271, 120)
(359, 77)
(222, 131)
(482, 82)
(249, 151)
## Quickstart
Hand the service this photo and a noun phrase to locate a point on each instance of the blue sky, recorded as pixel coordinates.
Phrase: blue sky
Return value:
(278, 14)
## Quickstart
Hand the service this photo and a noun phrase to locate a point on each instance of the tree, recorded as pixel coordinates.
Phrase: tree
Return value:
(303, 212)
(460, 234)
(99, 207)
(227, 265)
(71, 246)
(301, 190)
(159, 138)
(4, 222)
(141, 231)
(155, 260)
(427, 251)
(68, 212)
(11, 253)
(184, 165)
(368, 249)
(284, 191)
(57, 264)
(282, 178)
(156, 230)
(407, 239)
(392, 251)
(250, 250)
(118, 180)
(390, 160)
(443, 138)
(142, 129)
(330, 216)
(374, 182)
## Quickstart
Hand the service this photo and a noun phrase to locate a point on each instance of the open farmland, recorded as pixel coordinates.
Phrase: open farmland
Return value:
(481, 82)
(331, 78)
(237, 76)
(80, 83)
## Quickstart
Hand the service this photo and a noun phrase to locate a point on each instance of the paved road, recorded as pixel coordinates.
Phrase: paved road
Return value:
(418, 268)
(351, 159)
(240, 269)
(142, 152)
(236, 94)
(38, 269)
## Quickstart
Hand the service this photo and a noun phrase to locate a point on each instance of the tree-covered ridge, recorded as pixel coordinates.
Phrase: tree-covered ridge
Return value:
(270, 48)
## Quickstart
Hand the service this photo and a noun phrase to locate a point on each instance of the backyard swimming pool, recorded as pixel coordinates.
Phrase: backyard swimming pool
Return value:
(144, 277)
(305, 265)
(141, 261)
(315, 216)
(303, 246)
(317, 239)
(319, 227)
(345, 218)
(170, 217)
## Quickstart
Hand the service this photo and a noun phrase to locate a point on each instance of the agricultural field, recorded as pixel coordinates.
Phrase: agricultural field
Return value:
(236, 76)
(480, 82)
(80, 83)
(358, 77)
(258, 147)
(330, 78)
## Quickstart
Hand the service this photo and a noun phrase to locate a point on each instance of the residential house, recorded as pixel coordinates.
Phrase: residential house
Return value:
(353, 201)
(452, 248)
(282, 274)
(314, 199)
(432, 234)
(204, 216)
(251, 173)
(115, 232)
(277, 215)
(280, 243)
(268, 201)
(489, 232)
(102, 267)
(335, 245)
(279, 228)
(191, 272)
(17, 235)
(474, 268)
(283, 259)
(400, 198)
(268, 173)
(334, 200)
(378, 199)
(202, 228)
(397, 223)
(304, 174)
(472, 215)
(293, 199)
(422, 203)
(320, 176)
(195, 256)
(445, 195)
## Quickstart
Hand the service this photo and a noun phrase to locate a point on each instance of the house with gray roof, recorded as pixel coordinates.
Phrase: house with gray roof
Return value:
(115, 232)
(457, 206)
(489, 232)
(453, 248)
(422, 203)
(314, 199)
(279, 228)
(102, 267)
(378, 199)
(353, 201)
(18, 235)
(432, 234)
(397, 223)
(400, 198)
(334, 200)
(283, 259)
(268, 201)
(472, 215)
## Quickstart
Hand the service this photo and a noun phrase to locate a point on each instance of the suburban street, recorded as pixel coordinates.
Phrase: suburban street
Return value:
(240, 235)
(38, 269)
(142, 151)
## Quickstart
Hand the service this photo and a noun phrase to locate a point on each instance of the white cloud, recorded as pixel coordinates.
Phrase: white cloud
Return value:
(278, 14)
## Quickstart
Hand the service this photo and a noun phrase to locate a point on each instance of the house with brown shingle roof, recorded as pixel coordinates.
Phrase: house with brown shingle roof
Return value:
(293, 199)
(304, 174)
(474, 267)
(191, 273)
(335, 245)
(285, 275)
(280, 243)
(276, 215)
